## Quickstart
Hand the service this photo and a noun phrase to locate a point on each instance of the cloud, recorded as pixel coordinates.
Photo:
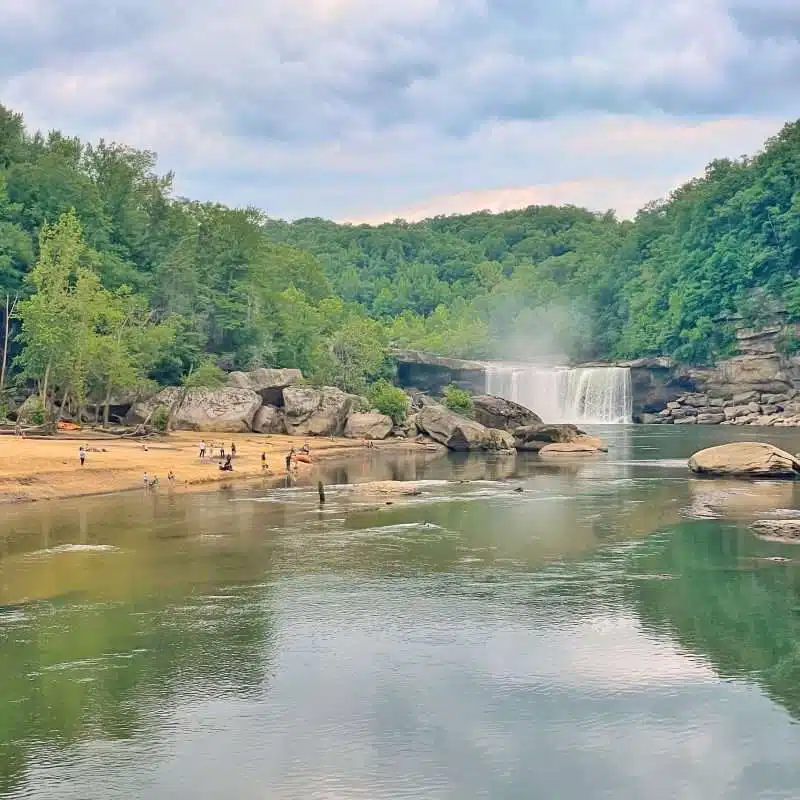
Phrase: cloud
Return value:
(352, 109)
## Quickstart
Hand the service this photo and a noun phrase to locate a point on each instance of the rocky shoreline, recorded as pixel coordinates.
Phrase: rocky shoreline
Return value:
(747, 408)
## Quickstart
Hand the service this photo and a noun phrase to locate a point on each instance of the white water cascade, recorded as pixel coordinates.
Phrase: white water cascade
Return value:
(594, 395)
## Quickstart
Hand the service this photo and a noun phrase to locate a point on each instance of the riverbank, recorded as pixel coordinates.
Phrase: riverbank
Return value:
(46, 469)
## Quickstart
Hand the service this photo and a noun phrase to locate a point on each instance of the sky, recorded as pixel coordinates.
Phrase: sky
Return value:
(366, 111)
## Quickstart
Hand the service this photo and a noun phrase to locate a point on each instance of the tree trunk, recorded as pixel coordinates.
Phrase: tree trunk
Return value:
(43, 388)
(64, 401)
(106, 402)
(7, 330)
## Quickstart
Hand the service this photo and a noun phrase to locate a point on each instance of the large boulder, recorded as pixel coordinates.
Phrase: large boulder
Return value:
(496, 412)
(778, 530)
(370, 425)
(269, 383)
(227, 410)
(459, 433)
(534, 437)
(269, 419)
(319, 411)
(745, 460)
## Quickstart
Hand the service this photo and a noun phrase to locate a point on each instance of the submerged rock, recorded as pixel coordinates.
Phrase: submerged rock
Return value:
(401, 488)
(496, 412)
(746, 460)
(778, 530)
(569, 449)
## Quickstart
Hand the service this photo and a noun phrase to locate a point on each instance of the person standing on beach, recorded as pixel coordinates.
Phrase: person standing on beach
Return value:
(233, 449)
(289, 458)
(82, 454)
(146, 481)
(202, 449)
(264, 465)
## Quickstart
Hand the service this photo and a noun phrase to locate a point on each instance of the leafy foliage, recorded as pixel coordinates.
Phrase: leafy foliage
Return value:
(458, 400)
(389, 400)
(120, 283)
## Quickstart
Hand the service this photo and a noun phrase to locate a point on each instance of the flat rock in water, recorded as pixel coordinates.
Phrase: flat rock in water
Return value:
(579, 448)
(783, 530)
(407, 488)
(745, 460)
(502, 414)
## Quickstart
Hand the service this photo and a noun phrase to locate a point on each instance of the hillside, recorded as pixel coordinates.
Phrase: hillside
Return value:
(119, 282)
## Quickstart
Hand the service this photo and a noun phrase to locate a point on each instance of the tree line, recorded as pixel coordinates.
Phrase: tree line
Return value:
(109, 282)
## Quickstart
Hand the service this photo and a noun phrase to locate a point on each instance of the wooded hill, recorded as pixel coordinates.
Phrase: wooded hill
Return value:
(120, 282)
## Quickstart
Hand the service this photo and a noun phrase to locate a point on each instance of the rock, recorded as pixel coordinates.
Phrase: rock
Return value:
(673, 405)
(652, 419)
(369, 425)
(394, 488)
(269, 383)
(744, 398)
(568, 449)
(269, 419)
(759, 373)
(778, 530)
(665, 413)
(535, 437)
(746, 460)
(768, 409)
(696, 400)
(686, 421)
(495, 412)
(754, 408)
(407, 428)
(227, 410)
(432, 373)
(684, 411)
(710, 419)
(459, 433)
(716, 402)
(316, 411)
(732, 412)
(775, 399)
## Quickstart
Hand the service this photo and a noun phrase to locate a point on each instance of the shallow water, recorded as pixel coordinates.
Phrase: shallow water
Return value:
(613, 630)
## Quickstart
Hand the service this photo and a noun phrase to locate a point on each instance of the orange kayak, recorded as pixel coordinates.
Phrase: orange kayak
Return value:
(303, 458)
(68, 426)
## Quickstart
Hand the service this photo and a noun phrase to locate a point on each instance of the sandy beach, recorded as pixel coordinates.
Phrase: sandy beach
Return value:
(41, 469)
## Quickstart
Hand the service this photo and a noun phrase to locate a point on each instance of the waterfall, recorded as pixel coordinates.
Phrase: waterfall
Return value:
(599, 395)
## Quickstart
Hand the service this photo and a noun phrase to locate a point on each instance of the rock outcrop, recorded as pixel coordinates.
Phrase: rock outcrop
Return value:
(269, 419)
(459, 433)
(228, 410)
(316, 411)
(268, 383)
(534, 437)
(496, 412)
(432, 373)
(369, 425)
(745, 460)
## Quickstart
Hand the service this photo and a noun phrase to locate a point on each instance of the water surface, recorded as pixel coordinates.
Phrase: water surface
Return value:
(613, 630)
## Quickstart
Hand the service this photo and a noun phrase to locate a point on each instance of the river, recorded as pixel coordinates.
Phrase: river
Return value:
(611, 631)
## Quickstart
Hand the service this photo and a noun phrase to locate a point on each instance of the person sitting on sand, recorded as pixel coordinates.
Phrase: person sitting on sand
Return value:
(82, 455)
(305, 449)
(227, 466)
(154, 482)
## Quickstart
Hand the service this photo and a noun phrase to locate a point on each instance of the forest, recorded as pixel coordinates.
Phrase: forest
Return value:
(109, 281)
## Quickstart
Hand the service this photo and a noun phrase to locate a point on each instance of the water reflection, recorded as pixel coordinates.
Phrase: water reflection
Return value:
(470, 642)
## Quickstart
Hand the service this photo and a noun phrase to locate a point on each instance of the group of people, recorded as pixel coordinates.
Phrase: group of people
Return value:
(292, 455)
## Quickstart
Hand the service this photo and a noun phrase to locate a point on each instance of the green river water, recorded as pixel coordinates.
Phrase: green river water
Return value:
(612, 631)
